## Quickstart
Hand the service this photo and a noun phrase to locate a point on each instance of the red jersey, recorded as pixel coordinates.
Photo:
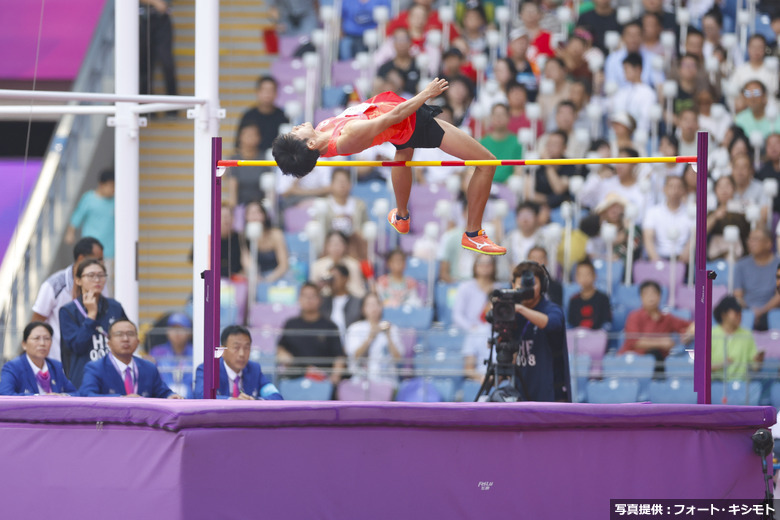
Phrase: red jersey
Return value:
(378, 105)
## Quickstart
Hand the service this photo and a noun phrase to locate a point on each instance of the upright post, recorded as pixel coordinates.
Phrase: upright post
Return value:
(206, 126)
(126, 158)
(702, 342)
(211, 281)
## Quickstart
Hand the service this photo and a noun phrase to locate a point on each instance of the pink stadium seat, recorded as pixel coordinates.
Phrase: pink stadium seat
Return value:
(362, 390)
(768, 342)
(658, 272)
(284, 71)
(344, 74)
(686, 296)
(272, 315)
(591, 342)
(287, 46)
(296, 217)
(265, 339)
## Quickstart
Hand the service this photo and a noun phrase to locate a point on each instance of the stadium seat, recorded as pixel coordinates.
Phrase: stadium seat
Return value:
(469, 390)
(305, 389)
(612, 391)
(773, 318)
(450, 339)
(296, 217)
(297, 244)
(673, 390)
(271, 314)
(579, 368)
(747, 319)
(775, 393)
(363, 390)
(736, 392)
(686, 296)
(370, 192)
(439, 362)
(768, 342)
(680, 367)
(767, 375)
(683, 314)
(407, 317)
(593, 343)
(281, 291)
(639, 367)
(264, 339)
(418, 390)
(721, 268)
(658, 272)
(445, 297)
(618, 271)
(447, 387)
(569, 290)
(418, 269)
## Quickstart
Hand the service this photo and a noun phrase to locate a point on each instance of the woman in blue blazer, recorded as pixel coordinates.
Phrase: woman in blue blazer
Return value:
(33, 373)
(85, 321)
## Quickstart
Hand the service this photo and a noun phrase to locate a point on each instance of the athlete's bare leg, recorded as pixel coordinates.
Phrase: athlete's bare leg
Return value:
(402, 181)
(458, 143)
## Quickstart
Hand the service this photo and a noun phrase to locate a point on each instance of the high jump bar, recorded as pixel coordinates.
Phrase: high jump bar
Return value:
(494, 162)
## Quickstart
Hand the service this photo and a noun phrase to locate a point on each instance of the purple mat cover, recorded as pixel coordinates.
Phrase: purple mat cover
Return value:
(19, 179)
(199, 459)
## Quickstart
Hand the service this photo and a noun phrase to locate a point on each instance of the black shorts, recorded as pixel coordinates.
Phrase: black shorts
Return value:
(427, 132)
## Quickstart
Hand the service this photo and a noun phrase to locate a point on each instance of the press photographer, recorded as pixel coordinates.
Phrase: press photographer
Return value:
(542, 358)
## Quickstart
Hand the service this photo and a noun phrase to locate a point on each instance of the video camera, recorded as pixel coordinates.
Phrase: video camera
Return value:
(502, 316)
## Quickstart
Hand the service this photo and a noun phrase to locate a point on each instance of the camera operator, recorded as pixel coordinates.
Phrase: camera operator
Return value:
(543, 358)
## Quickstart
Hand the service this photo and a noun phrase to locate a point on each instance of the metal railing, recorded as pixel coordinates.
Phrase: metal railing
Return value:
(31, 254)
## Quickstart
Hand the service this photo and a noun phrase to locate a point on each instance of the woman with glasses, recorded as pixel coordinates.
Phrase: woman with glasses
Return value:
(85, 321)
(33, 373)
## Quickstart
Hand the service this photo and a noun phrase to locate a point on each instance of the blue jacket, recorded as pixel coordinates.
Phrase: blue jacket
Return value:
(17, 378)
(84, 339)
(253, 382)
(101, 379)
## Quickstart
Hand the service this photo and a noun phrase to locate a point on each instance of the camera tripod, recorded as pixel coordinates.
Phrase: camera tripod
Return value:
(500, 370)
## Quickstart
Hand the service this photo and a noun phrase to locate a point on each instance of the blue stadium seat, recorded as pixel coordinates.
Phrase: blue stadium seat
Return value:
(470, 388)
(407, 317)
(680, 367)
(631, 366)
(618, 272)
(673, 390)
(418, 390)
(447, 387)
(569, 290)
(748, 317)
(439, 362)
(579, 368)
(450, 339)
(774, 319)
(371, 191)
(775, 394)
(297, 245)
(721, 268)
(737, 392)
(418, 269)
(444, 298)
(767, 375)
(611, 391)
(305, 389)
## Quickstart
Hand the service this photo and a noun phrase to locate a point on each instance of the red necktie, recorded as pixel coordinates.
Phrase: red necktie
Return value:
(128, 382)
(236, 389)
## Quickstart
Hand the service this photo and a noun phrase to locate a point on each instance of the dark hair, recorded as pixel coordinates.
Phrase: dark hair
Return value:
(466, 82)
(757, 36)
(658, 18)
(538, 248)
(342, 270)
(266, 78)
(338, 171)
(493, 277)
(597, 143)
(728, 303)
(728, 178)
(693, 57)
(559, 61)
(34, 325)
(563, 135)
(502, 105)
(671, 178)
(528, 204)
(587, 263)
(267, 224)
(758, 82)
(371, 294)
(693, 31)
(741, 137)
(634, 23)
(716, 14)
(120, 320)
(510, 64)
(341, 235)
(85, 246)
(537, 269)
(395, 252)
(649, 283)
(672, 141)
(86, 263)
(633, 59)
(310, 285)
(106, 176)
(566, 103)
(631, 152)
(293, 155)
(232, 330)
(512, 85)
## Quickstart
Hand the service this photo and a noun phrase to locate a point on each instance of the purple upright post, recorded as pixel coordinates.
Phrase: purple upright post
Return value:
(702, 342)
(212, 280)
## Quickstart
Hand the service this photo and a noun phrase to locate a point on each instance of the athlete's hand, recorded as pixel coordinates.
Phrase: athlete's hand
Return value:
(436, 87)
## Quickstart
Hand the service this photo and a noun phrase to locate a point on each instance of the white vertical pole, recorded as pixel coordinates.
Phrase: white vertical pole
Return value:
(126, 158)
(206, 127)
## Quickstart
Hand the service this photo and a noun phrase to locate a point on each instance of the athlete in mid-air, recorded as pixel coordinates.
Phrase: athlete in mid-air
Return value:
(407, 124)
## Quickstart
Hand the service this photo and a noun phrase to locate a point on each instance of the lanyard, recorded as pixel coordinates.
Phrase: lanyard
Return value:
(83, 312)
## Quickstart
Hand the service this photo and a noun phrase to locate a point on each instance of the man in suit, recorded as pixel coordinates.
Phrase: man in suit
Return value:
(34, 373)
(239, 378)
(120, 373)
(341, 306)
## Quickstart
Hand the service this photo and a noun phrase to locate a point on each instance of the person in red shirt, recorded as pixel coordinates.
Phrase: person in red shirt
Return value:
(541, 42)
(649, 331)
(407, 124)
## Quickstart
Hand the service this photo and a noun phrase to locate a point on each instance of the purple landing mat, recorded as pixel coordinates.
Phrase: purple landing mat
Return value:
(66, 30)
(18, 181)
(211, 459)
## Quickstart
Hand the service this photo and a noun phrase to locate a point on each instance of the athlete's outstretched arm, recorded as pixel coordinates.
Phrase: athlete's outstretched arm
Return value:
(359, 134)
